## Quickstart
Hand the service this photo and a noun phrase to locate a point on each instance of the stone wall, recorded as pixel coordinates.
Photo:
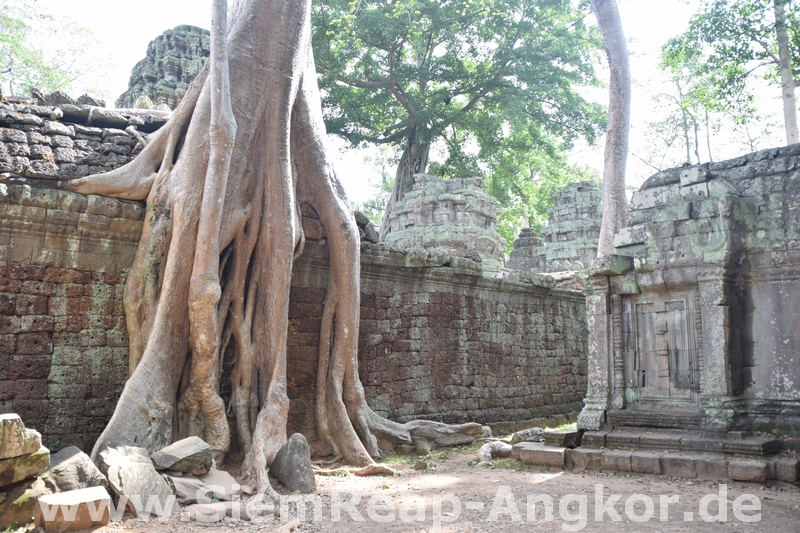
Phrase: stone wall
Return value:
(63, 343)
(440, 341)
(569, 241)
(438, 338)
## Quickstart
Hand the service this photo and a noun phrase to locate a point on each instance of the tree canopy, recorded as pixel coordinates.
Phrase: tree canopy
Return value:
(38, 51)
(727, 43)
(491, 85)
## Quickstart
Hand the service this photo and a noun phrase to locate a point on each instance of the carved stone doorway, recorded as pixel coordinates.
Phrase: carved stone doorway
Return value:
(660, 349)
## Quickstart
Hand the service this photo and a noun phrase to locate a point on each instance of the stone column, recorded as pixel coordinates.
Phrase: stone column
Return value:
(720, 352)
(600, 359)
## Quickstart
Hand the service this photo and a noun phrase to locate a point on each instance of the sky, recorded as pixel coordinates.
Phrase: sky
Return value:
(124, 29)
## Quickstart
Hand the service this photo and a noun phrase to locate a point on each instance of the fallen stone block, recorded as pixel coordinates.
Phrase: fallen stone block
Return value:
(18, 502)
(535, 453)
(646, 463)
(215, 512)
(15, 439)
(292, 465)
(19, 468)
(71, 469)
(528, 435)
(223, 486)
(586, 458)
(74, 510)
(617, 461)
(132, 476)
(189, 490)
(748, 470)
(191, 455)
(787, 469)
(676, 465)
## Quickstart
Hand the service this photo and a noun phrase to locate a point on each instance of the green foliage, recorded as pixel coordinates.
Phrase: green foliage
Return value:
(39, 51)
(727, 42)
(493, 85)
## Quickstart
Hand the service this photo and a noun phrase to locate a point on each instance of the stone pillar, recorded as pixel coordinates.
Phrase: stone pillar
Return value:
(600, 366)
(720, 352)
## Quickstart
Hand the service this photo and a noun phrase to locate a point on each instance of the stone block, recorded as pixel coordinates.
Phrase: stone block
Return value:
(586, 458)
(787, 469)
(18, 502)
(711, 466)
(751, 470)
(666, 442)
(677, 465)
(132, 477)
(692, 175)
(71, 469)
(566, 438)
(594, 439)
(538, 454)
(191, 455)
(646, 463)
(15, 438)
(75, 510)
(623, 440)
(617, 461)
(19, 468)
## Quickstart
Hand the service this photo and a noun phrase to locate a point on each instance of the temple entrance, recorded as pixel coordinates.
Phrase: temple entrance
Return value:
(662, 364)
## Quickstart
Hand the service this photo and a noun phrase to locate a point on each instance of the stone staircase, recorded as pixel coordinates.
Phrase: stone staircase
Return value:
(667, 452)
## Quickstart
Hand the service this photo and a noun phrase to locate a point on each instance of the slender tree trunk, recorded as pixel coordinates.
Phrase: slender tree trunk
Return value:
(413, 161)
(787, 78)
(615, 203)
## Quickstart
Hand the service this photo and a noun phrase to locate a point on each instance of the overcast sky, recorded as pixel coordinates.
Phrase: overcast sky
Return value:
(125, 28)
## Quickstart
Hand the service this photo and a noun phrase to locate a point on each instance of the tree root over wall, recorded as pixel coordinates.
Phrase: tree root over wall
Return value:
(223, 181)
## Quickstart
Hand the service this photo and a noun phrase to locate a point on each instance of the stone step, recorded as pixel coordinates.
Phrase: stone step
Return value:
(654, 419)
(714, 466)
(565, 438)
(536, 453)
(679, 441)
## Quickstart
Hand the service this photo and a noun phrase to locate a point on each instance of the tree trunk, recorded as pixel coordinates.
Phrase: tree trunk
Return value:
(787, 78)
(615, 203)
(413, 161)
(223, 181)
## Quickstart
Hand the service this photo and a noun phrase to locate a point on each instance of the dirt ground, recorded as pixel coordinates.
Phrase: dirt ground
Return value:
(453, 495)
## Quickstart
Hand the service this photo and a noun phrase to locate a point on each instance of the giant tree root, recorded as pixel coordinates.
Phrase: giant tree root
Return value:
(213, 269)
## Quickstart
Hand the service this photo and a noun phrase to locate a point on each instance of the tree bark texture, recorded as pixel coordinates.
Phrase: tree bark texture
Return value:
(615, 203)
(787, 77)
(223, 181)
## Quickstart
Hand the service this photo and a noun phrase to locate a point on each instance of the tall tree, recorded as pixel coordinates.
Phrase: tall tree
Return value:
(740, 38)
(615, 203)
(223, 181)
(31, 59)
(481, 77)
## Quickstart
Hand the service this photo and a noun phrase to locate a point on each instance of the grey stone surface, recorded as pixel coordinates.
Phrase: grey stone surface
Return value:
(751, 470)
(292, 465)
(538, 454)
(223, 485)
(618, 461)
(457, 217)
(16, 469)
(18, 501)
(173, 60)
(15, 438)
(93, 510)
(132, 477)
(71, 469)
(190, 455)
(528, 435)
